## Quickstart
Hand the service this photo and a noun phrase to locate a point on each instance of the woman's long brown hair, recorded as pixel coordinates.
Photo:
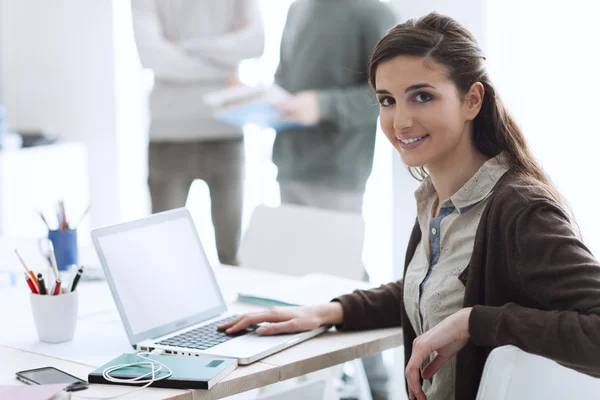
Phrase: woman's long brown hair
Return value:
(444, 41)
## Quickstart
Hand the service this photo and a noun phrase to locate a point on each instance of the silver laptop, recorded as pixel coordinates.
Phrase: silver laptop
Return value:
(167, 294)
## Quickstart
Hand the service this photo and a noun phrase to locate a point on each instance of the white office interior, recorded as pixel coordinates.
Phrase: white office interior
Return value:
(69, 69)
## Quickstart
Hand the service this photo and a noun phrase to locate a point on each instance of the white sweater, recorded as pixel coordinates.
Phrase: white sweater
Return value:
(193, 46)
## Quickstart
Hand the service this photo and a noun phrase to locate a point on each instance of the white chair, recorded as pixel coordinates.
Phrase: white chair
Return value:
(511, 373)
(299, 240)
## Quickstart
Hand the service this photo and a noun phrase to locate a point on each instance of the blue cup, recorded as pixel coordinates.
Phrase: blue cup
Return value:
(65, 248)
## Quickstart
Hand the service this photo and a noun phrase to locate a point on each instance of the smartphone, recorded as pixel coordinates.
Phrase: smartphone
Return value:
(50, 375)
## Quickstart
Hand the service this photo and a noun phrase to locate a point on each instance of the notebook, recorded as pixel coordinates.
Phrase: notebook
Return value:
(188, 372)
(310, 289)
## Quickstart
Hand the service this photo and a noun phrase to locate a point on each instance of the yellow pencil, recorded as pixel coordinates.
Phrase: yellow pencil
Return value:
(27, 270)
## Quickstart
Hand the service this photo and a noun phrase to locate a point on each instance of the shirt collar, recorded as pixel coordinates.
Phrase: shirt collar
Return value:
(475, 190)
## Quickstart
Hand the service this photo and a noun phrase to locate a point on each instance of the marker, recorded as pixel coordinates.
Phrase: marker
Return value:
(56, 290)
(76, 279)
(41, 284)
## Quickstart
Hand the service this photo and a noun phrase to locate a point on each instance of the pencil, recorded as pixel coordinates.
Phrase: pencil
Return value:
(27, 270)
(44, 219)
(64, 215)
(53, 260)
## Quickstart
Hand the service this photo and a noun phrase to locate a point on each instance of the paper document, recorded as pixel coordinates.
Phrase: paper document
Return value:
(241, 105)
(31, 392)
(308, 290)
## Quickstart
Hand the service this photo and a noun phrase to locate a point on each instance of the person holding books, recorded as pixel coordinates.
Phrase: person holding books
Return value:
(495, 257)
(325, 49)
(195, 47)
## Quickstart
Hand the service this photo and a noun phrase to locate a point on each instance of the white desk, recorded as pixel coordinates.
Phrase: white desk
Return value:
(323, 351)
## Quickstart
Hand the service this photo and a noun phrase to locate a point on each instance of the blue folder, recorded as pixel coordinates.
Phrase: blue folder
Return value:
(261, 113)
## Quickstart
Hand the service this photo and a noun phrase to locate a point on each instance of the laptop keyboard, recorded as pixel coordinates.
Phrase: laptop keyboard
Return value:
(203, 337)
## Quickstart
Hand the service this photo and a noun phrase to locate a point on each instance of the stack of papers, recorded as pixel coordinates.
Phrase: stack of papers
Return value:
(311, 289)
(242, 105)
(33, 392)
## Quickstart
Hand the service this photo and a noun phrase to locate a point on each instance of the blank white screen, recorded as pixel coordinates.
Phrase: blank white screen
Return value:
(160, 273)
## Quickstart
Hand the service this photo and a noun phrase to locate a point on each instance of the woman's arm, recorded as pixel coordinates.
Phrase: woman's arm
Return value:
(549, 264)
(372, 309)
(229, 49)
(167, 61)
(363, 309)
(287, 319)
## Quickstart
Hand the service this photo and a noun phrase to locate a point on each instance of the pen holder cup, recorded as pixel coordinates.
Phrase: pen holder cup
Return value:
(65, 248)
(55, 317)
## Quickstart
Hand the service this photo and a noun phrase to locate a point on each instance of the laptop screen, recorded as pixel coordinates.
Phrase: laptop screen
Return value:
(158, 273)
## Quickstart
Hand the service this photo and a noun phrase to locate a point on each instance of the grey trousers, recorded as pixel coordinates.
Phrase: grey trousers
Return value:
(300, 193)
(173, 166)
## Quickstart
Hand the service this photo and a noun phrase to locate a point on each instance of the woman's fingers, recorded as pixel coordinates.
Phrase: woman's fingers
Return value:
(229, 324)
(413, 369)
(246, 321)
(414, 383)
(290, 326)
(434, 366)
(275, 314)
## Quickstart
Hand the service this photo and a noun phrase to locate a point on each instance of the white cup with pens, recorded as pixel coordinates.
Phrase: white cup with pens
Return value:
(54, 306)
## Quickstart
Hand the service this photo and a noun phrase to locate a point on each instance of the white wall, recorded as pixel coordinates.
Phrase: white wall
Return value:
(71, 69)
(549, 78)
(545, 70)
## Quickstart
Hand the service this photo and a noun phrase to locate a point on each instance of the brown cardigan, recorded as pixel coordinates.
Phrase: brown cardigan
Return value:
(531, 282)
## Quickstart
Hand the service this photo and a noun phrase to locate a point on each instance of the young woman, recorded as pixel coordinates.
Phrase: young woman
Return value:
(494, 258)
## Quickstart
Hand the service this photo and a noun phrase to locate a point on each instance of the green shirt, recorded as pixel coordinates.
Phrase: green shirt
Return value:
(326, 46)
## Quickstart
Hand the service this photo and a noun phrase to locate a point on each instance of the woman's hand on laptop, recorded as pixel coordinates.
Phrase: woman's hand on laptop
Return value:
(287, 319)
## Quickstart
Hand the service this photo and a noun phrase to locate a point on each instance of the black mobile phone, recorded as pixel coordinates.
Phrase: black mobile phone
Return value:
(50, 375)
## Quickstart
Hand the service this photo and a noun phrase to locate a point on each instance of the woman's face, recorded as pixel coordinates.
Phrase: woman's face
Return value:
(421, 112)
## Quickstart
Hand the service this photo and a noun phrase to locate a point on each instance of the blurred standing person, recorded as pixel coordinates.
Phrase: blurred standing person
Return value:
(194, 47)
(325, 49)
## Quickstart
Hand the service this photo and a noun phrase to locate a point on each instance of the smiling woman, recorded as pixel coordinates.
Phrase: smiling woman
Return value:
(493, 258)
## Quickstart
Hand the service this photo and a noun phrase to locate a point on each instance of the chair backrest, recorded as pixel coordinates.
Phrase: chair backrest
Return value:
(298, 240)
(308, 390)
(511, 373)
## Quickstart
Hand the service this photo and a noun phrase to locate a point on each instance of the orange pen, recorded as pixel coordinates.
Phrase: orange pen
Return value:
(31, 285)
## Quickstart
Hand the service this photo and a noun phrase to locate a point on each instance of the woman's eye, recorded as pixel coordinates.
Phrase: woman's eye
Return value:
(422, 97)
(386, 101)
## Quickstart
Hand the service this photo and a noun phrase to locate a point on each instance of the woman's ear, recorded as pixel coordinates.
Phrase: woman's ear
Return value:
(473, 100)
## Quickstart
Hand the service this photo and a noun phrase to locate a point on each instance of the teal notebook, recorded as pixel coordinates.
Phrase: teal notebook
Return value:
(189, 372)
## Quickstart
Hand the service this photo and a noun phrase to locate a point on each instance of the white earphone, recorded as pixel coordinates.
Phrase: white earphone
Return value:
(148, 378)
